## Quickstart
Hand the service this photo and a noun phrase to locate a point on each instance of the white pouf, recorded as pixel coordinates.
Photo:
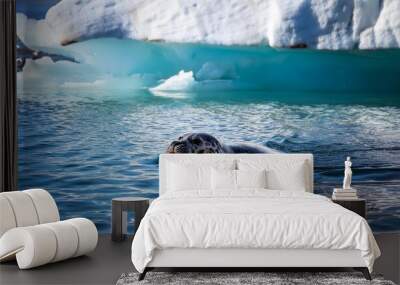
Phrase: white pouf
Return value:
(31, 232)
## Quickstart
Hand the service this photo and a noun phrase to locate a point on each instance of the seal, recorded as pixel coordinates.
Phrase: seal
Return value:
(206, 143)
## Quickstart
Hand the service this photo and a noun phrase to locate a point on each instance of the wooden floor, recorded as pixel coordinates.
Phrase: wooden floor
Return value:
(111, 259)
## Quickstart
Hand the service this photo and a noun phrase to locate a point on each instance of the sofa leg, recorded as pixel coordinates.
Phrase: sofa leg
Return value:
(143, 274)
(364, 271)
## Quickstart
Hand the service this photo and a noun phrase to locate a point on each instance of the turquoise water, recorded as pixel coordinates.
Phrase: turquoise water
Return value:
(92, 131)
(132, 65)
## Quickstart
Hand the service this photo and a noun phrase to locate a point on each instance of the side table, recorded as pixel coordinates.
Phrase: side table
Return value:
(120, 208)
(358, 206)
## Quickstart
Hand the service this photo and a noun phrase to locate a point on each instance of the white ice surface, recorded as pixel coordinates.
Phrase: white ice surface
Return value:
(319, 24)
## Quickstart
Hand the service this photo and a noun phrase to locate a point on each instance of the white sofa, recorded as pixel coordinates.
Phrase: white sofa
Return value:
(31, 230)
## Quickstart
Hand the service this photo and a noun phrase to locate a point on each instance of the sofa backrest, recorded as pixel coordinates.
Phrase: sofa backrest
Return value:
(26, 208)
(237, 159)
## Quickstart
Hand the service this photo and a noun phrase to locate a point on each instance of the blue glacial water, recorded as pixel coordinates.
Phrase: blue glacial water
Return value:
(88, 147)
(92, 131)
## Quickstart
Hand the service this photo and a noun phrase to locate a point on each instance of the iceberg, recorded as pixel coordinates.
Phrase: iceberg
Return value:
(109, 62)
(179, 85)
(319, 24)
(183, 81)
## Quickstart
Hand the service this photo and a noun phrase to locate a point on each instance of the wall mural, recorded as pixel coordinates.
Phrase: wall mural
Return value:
(105, 86)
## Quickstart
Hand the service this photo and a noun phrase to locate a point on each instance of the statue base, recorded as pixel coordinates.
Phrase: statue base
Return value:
(344, 190)
(344, 194)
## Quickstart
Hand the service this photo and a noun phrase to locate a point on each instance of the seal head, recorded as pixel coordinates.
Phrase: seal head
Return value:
(195, 143)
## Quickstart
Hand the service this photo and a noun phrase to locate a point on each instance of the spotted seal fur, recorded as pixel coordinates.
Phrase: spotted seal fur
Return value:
(206, 143)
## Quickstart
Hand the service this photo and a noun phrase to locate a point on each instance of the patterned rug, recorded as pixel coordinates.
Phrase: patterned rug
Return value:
(243, 278)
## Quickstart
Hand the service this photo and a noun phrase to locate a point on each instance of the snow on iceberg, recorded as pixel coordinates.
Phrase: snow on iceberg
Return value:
(320, 24)
(386, 31)
(34, 33)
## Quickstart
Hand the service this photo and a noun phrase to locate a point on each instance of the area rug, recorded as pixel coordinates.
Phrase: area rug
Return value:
(243, 278)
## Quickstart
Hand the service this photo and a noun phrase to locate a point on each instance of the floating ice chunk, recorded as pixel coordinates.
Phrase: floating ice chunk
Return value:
(183, 81)
(320, 24)
(181, 84)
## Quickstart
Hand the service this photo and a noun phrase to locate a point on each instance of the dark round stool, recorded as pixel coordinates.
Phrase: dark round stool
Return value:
(120, 208)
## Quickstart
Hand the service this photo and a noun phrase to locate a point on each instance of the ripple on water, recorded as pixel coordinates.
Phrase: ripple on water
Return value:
(86, 152)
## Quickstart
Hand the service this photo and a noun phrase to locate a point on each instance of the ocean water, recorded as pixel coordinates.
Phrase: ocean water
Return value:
(92, 130)
(88, 146)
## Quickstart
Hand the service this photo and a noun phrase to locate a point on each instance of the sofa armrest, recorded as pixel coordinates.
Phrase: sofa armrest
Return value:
(32, 246)
(40, 244)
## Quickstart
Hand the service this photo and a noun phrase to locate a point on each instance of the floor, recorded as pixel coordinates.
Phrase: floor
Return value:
(103, 266)
(111, 259)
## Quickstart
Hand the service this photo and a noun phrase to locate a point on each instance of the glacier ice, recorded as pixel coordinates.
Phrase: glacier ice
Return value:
(181, 84)
(386, 31)
(319, 24)
(113, 63)
(35, 33)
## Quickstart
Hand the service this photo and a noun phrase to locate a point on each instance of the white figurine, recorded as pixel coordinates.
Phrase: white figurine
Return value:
(347, 174)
